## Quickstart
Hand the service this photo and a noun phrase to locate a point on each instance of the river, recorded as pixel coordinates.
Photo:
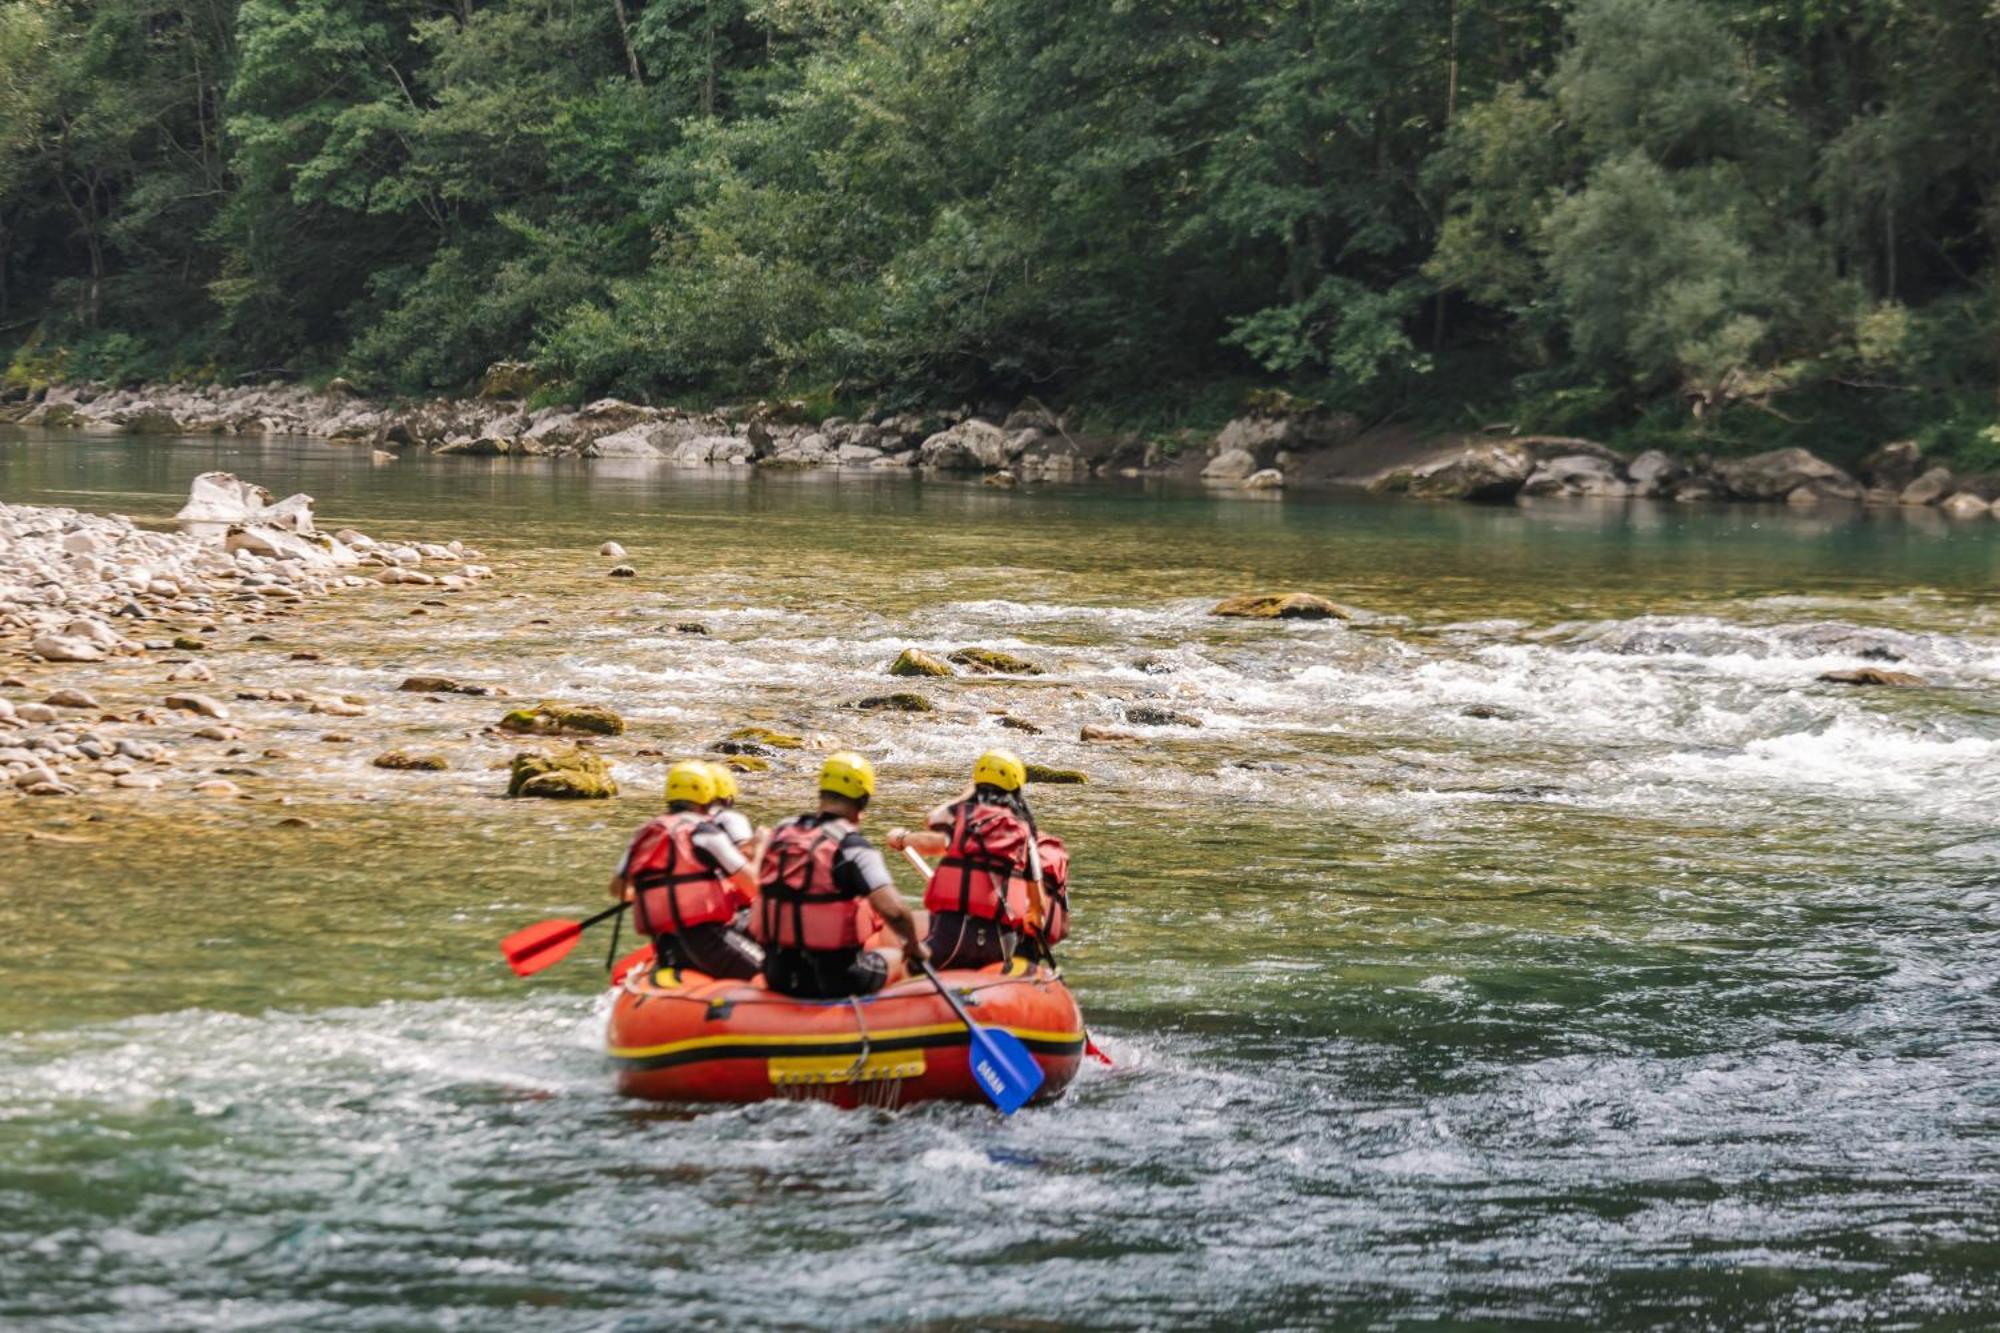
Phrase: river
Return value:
(1542, 948)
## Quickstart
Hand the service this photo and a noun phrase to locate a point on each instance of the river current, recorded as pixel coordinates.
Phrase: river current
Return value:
(1543, 947)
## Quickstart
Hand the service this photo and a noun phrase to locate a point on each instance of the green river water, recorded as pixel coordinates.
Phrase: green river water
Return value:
(1662, 997)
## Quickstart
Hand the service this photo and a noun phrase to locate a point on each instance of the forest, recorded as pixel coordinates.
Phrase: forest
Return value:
(1715, 224)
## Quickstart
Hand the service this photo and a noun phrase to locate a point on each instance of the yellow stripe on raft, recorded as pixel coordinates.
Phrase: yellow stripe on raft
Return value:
(830, 1039)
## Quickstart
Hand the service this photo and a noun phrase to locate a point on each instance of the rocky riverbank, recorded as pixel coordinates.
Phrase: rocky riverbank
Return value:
(94, 605)
(1284, 446)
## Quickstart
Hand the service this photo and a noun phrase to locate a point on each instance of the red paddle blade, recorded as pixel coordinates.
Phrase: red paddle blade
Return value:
(638, 958)
(541, 945)
(1095, 1052)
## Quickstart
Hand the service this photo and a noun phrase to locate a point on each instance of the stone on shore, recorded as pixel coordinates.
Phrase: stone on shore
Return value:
(548, 718)
(1581, 475)
(1230, 467)
(1966, 505)
(1928, 489)
(992, 661)
(1278, 606)
(917, 662)
(65, 648)
(1482, 471)
(72, 699)
(573, 774)
(1775, 474)
(1265, 479)
(970, 446)
(220, 497)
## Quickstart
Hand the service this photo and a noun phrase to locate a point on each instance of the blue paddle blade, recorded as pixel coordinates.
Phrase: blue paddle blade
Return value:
(1005, 1071)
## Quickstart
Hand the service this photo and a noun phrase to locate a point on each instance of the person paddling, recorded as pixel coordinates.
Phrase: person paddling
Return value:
(722, 811)
(686, 882)
(987, 889)
(823, 890)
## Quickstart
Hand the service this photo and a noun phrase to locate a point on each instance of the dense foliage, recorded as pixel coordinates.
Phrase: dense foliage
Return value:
(1726, 218)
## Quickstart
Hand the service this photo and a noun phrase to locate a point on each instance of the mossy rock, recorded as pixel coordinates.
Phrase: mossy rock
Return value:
(188, 643)
(1056, 777)
(412, 763)
(917, 662)
(753, 749)
(445, 685)
(547, 718)
(995, 662)
(1013, 723)
(903, 702)
(776, 740)
(748, 763)
(1278, 606)
(564, 775)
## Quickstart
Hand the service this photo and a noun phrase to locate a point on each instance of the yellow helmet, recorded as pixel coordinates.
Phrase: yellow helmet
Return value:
(690, 781)
(848, 774)
(1000, 768)
(725, 781)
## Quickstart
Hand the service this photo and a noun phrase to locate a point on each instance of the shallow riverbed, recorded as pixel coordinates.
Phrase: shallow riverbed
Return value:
(1542, 946)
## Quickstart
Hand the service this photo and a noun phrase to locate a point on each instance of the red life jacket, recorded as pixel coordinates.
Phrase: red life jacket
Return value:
(801, 903)
(674, 886)
(1055, 882)
(984, 872)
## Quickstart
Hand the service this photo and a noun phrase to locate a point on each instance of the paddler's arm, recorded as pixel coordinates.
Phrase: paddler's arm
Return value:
(1038, 898)
(928, 842)
(895, 913)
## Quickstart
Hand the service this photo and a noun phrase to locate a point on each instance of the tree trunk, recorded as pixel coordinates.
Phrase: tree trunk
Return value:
(625, 38)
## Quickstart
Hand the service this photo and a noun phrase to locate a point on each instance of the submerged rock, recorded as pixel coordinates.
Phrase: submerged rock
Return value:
(776, 740)
(994, 662)
(1012, 723)
(198, 703)
(1278, 606)
(917, 662)
(401, 761)
(573, 774)
(1153, 715)
(895, 703)
(612, 550)
(1873, 676)
(1108, 735)
(446, 685)
(1056, 777)
(623, 572)
(545, 718)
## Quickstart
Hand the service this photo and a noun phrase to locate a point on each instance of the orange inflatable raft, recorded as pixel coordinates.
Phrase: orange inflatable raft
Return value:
(682, 1036)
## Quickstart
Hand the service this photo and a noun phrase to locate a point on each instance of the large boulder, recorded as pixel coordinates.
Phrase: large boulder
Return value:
(564, 775)
(970, 446)
(1482, 470)
(1776, 474)
(1578, 475)
(545, 718)
(917, 662)
(1654, 473)
(632, 442)
(1893, 466)
(219, 497)
(1230, 467)
(1931, 487)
